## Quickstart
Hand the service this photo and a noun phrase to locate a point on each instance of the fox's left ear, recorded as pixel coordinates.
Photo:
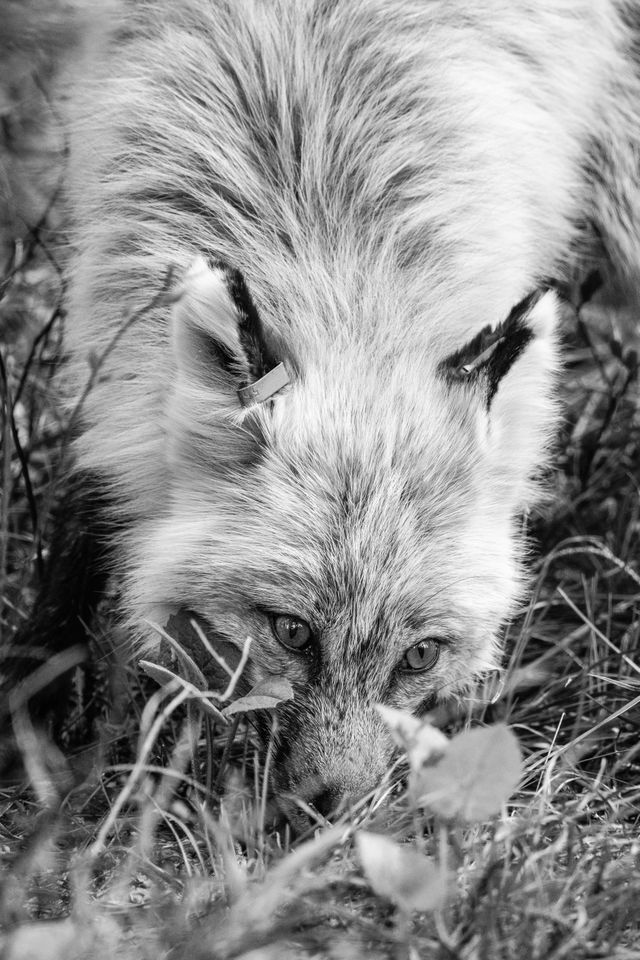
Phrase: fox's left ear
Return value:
(508, 374)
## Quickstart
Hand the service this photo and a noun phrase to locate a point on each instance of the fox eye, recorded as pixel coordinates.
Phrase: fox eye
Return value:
(291, 631)
(421, 656)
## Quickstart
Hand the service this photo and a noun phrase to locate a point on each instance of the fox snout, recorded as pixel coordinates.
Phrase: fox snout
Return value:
(329, 754)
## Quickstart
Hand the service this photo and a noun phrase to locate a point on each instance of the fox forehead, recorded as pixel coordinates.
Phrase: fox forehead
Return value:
(356, 533)
(378, 578)
(365, 506)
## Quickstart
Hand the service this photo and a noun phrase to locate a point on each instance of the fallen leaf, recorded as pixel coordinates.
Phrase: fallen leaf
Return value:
(266, 695)
(164, 676)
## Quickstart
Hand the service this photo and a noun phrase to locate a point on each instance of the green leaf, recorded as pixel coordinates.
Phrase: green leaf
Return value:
(401, 874)
(266, 695)
(478, 773)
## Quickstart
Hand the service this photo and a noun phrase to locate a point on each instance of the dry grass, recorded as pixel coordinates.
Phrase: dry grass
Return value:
(130, 849)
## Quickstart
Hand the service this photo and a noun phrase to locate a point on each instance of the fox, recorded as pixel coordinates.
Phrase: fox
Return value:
(326, 435)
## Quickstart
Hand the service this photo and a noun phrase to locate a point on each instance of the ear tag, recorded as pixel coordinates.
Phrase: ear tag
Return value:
(266, 387)
(470, 368)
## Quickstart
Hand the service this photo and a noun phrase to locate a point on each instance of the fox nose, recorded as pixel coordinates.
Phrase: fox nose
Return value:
(328, 800)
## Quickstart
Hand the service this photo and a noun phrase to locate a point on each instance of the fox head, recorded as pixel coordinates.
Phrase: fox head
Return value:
(360, 524)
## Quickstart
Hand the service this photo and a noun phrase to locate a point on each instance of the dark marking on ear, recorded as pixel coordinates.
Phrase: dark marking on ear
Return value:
(216, 353)
(259, 355)
(256, 352)
(487, 358)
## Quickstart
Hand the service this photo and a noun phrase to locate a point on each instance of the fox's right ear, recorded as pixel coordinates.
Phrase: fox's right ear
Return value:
(218, 335)
(220, 353)
(507, 375)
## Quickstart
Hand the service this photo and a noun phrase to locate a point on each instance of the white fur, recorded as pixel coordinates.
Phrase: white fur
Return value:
(390, 177)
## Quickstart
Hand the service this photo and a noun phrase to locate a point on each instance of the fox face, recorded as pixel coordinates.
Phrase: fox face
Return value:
(393, 178)
(360, 525)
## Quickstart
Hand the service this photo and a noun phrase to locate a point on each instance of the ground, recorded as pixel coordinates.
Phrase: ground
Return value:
(160, 840)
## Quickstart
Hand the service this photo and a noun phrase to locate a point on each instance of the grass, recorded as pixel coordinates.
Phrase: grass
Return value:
(120, 850)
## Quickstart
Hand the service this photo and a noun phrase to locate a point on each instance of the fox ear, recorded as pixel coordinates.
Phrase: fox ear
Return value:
(509, 372)
(217, 332)
(221, 353)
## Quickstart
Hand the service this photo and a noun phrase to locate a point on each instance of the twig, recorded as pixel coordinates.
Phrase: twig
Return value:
(31, 500)
(42, 335)
(124, 328)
